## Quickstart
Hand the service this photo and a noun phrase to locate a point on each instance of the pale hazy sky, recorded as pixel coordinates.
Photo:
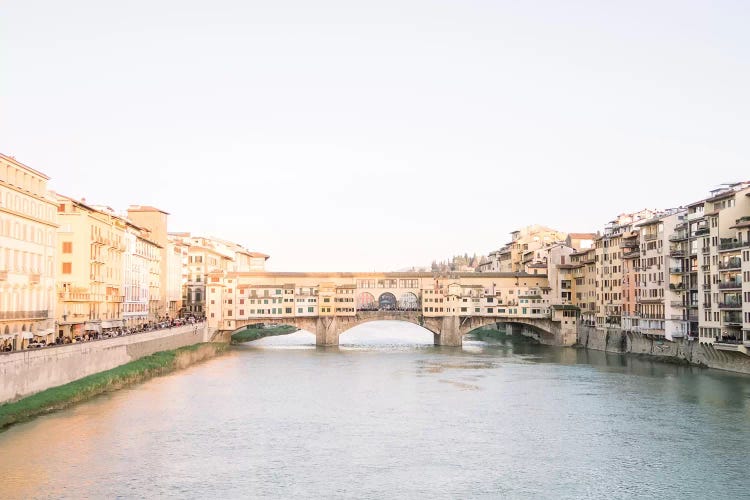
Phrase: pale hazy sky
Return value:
(345, 135)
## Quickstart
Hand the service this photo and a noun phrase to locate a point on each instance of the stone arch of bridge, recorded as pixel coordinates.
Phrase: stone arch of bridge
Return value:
(447, 330)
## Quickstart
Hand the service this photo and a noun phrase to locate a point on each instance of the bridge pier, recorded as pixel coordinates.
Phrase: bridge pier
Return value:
(327, 331)
(449, 332)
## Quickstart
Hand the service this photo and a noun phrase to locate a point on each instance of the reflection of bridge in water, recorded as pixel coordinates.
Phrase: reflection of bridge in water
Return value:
(328, 304)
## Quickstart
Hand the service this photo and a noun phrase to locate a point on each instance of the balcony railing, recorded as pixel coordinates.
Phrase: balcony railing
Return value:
(675, 270)
(24, 314)
(706, 250)
(74, 297)
(677, 303)
(731, 264)
(678, 237)
(676, 252)
(677, 286)
(724, 285)
(732, 319)
(730, 305)
(731, 245)
(701, 232)
(650, 237)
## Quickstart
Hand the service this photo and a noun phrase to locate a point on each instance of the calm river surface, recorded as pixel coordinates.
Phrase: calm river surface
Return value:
(386, 415)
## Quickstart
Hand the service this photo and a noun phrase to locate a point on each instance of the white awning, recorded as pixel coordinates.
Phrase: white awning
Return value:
(117, 323)
(27, 335)
(6, 336)
(92, 327)
(107, 324)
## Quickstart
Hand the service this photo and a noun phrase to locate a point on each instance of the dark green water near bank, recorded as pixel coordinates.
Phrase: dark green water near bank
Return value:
(388, 415)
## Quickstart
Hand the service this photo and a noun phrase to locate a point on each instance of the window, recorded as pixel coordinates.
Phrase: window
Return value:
(67, 267)
(67, 247)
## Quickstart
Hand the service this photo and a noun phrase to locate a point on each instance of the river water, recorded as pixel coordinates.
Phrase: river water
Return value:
(387, 415)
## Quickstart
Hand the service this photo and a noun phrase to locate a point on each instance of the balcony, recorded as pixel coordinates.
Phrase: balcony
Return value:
(677, 287)
(74, 297)
(706, 286)
(730, 285)
(706, 250)
(732, 319)
(631, 254)
(734, 263)
(3, 275)
(707, 305)
(678, 237)
(24, 314)
(115, 298)
(34, 278)
(676, 303)
(701, 232)
(675, 270)
(731, 245)
(629, 244)
(676, 253)
(650, 237)
(734, 304)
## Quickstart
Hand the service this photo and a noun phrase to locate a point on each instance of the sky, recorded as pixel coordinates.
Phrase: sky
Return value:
(345, 135)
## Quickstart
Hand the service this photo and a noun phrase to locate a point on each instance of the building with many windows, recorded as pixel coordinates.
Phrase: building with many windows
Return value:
(28, 225)
(91, 244)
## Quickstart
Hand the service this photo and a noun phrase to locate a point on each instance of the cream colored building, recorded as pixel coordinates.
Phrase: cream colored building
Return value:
(657, 314)
(28, 225)
(155, 221)
(177, 259)
(516, 255)
(721, 239)
(91, 244)
(584, 276)
(202, 255)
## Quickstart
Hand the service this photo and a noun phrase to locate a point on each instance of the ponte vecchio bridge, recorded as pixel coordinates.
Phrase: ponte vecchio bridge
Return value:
(328, 304)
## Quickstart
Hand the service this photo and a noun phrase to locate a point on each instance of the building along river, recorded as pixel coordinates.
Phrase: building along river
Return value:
(388, 415)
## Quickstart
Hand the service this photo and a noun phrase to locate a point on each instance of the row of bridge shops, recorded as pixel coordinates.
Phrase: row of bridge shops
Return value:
(232, 300)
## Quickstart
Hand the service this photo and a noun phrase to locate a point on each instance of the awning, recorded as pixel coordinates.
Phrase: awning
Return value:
(27, 335)
(107, 324)
(6, 336)
(117, 323)
(92, 327)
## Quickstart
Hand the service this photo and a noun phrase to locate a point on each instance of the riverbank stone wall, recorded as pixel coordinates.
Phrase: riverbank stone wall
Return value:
(679, 350)
(27, 372)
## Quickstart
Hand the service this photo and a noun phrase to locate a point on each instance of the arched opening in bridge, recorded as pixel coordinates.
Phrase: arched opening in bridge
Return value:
(272, 334)
(387, 302)
(386, 333)
(366, 302)
(408, 302)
